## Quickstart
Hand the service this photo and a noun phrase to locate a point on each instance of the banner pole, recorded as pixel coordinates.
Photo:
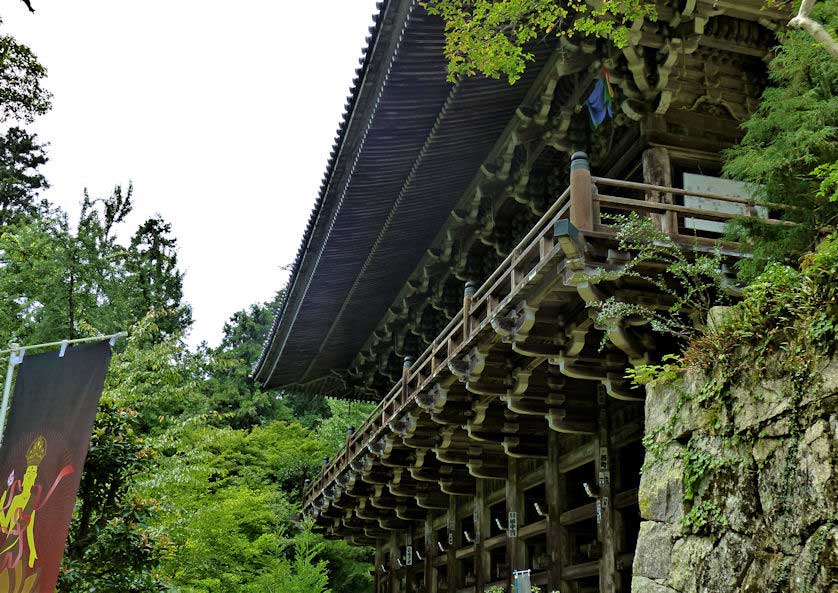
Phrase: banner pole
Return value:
(14, 360)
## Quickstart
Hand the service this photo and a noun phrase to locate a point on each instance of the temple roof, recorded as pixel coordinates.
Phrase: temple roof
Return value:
(408, 146)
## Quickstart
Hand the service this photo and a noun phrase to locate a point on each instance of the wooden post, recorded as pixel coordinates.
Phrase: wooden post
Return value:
(581, 192)
(657, 170)
(468, 296)
(409, 563)
(454, 539)
(558, 543)
(394, 565)
(515, 548)
(609, 578)
(406, 364)
(430, 555)
(379, 561)
(482, 519)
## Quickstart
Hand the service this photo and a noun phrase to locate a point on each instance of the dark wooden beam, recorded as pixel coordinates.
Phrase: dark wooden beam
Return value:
(609, 577)
(558, 543)
(515, 547)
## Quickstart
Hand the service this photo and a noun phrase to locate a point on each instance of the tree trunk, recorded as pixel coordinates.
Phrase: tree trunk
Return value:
(804, 21)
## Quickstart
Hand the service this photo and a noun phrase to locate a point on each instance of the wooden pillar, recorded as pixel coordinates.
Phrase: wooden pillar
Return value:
(657, 170)
(482, 518)
(581, 193)
(468, 297)
(454, 539)
(430, 555)
(558, 542)
(379, 562)
(394, 565)
(515, 548)
(410, 563)
(609, 578)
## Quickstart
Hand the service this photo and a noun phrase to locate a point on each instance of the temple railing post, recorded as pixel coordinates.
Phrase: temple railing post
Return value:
(657, 170)
(468, 297)
(581, 193)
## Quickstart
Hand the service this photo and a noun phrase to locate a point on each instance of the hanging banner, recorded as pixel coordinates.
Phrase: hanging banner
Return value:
(47, 436)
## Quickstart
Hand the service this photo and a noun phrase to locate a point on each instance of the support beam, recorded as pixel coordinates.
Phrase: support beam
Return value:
(394, 565)
(482, 518)
(515, 548)
(429, 555)
(454, 542)
(558, 543)
(379, 562)
(609, 577)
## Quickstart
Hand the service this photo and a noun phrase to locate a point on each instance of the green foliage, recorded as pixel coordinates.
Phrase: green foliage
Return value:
(193, 473)
(21, 94)
(228, 388)
(693, 282)
(782, 309)
(828, 175)
(494, 37)
(704, 518)
(791, 147)
(333, 430)
(646, 374)
(68, 283)
(111, 546)
(20, 181)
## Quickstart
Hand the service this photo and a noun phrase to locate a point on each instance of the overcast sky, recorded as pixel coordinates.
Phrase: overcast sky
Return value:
(221, 113)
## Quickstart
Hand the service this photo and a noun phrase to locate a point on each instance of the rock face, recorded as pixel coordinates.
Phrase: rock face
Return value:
(739, 493)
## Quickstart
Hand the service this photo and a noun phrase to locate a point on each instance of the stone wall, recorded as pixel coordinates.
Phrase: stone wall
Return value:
(739, 492)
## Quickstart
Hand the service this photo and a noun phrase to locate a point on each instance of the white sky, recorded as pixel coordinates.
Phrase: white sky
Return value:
(221, 113)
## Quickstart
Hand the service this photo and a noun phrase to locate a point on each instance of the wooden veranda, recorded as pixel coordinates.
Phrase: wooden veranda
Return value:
(514, 440)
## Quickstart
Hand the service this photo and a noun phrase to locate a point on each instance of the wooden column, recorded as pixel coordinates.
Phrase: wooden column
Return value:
(581, 192)
(657, 170)
(454, 539)
(412, 568)
(394, 565)
(430, 555)
(482, 518)
(515, 548)
(379, 561)
(558, 543)
(609, 578)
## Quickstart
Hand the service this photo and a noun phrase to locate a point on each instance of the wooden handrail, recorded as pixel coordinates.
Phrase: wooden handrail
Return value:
(686, 192)
(637, 204)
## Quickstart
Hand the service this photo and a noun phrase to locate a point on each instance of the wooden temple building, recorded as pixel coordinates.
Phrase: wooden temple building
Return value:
(443, 274)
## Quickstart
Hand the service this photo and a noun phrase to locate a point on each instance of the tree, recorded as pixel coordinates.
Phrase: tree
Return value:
(22, 96)
(111, 546)
(228, 386)
(789, 145)
(66, 283)
(492, 37)
(21, 154)
(154, 281)
(803, 20)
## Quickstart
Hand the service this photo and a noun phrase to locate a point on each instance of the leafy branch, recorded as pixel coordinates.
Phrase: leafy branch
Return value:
(693, 283)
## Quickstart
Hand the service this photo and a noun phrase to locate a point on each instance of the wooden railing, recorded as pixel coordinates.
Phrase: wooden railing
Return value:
(583, 205)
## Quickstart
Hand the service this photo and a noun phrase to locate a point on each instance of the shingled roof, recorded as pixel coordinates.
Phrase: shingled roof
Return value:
(408, 145)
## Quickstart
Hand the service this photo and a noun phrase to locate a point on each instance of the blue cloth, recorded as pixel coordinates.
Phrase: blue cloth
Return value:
(599, 104)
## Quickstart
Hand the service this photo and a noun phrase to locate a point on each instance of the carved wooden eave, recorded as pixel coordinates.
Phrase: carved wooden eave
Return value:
(700, 65)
